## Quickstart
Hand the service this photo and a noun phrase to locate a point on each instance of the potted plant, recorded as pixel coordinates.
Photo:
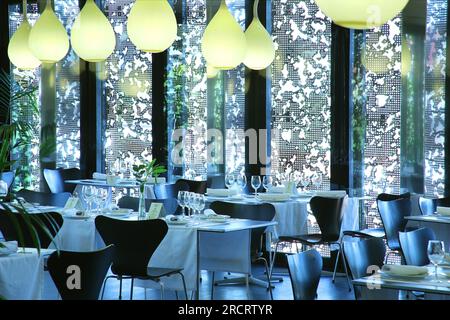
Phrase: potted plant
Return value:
(143, 173)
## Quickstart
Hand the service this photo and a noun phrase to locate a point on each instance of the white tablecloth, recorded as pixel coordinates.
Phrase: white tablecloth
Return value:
(22, 275)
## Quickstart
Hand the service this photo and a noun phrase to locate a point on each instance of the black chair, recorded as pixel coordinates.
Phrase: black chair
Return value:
(428, 206)
(393, 213)
(170, 190)
(195, 186)
(361, 255)
(8, 177)
(170, 204)
(329, 214)
(305, 269)
(259, 212)
(374, 232)
(44, 199)
(134, 244)
(44, 227)
(55, 179)
(92, 268)
(216, 181)
(414, 245)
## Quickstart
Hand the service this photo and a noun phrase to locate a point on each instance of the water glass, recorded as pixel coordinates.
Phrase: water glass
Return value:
(241, 181)
(256, 183)
(88, 193)
(316, 180)
(182, 201)
(436, 254)
(229, 181)
(304, 181)
(267, 182)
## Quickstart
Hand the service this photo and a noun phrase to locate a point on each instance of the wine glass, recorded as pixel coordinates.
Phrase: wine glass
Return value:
(102, 195)
(229, 181)
(256, 183)
(191, 197)
(241, 181)
(195, 204)
(123, 168)
(436, 254)
(88, 193)
(304, 181)
(201, 203)
(182, 201)
(316, 180)
(267, 182)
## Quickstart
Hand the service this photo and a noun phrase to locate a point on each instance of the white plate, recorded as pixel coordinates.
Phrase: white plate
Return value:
(72, 216)
(119, 213)
(396, 275)
(177, 222)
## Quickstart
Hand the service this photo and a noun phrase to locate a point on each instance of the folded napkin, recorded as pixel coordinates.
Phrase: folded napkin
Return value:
(273, 196)
(220, 192)
(99, 176)
(210, 214)
(401, 270)
(445, 211)
(277, 189)
(8, 247)
(332, 194)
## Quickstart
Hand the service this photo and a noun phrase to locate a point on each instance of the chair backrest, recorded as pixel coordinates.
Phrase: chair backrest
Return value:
(216, 182)
(170, 190)
(428, 206)
(44, 199)
(414, 245)
(55, 179)
(390, 197)
(305, 269)
(91, 267)
(134, 242)
(364, 257)
(16, 226)
(8, 177)
(195, 186)
(259, 212)
(170, 204)
(328, 213)
(393, 215)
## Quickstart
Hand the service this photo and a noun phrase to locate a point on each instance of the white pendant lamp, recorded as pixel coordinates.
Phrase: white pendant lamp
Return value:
(19, 52)
(152, 25)
(361, 14)
(93, 37)
(48, 38)
(260, 48)
(223, 42)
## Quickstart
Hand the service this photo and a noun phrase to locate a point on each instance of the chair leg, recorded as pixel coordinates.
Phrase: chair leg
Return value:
(184, 284)
(176, 295)
(104, 285)
(120, 288)
(131, 289)
(273, 260)
(161, 285)
(341, 249)
(268, 277)
(336, 264)
(212, 285)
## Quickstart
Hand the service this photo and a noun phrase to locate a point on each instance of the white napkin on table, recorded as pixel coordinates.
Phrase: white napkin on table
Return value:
(445, 211)
(99, 176)
(210, 214)
(220, 192)
(277, 189)
(402, 270)
(8, 247)
(332, 194)
(273, 196)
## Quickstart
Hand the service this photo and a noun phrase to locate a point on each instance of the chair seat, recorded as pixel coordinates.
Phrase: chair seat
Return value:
(309, 239)
(162, 272)
(366, 233)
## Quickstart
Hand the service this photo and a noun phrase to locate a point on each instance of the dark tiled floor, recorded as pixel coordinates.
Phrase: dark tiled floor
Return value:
(283, 291)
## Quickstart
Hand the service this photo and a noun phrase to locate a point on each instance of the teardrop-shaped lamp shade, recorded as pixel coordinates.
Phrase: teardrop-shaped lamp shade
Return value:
(19, 52)
(260, 48)
(48, 38)
(93, 37)
(361, 14)
(223, 43)
(152, 25)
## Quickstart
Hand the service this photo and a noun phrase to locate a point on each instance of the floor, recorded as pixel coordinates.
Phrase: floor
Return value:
(282, 291)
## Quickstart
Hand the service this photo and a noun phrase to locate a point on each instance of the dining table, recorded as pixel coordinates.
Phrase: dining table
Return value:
(22, 274)
(375, 285)
(440, 224)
